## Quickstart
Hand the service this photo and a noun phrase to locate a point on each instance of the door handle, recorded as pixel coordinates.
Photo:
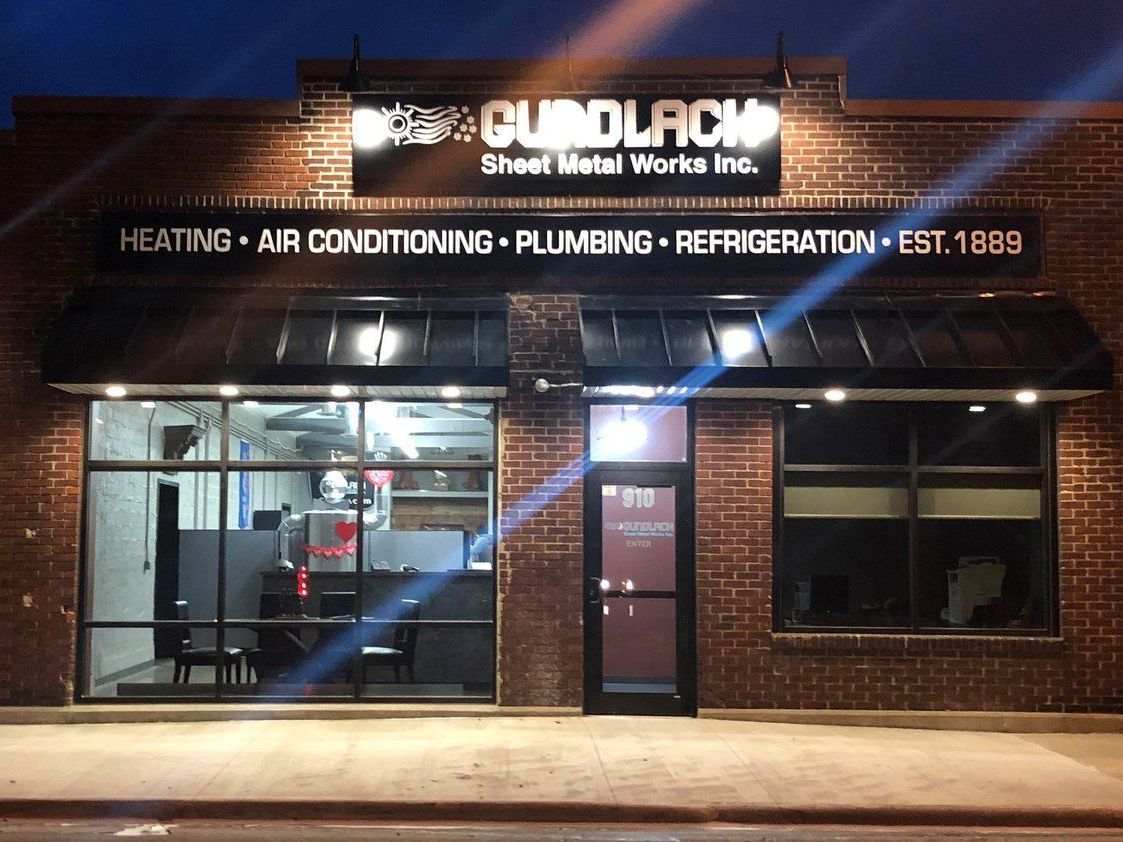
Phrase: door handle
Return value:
(594, 590)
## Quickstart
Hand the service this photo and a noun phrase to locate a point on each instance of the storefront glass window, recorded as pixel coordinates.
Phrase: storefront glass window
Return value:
(289, 559)
(916, 517)
(638, 433)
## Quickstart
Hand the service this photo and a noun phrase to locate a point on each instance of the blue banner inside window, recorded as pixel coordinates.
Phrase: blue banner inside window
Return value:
(244, 495)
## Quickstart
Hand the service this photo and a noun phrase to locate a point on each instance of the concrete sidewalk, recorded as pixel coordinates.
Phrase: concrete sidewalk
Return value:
(600, 769)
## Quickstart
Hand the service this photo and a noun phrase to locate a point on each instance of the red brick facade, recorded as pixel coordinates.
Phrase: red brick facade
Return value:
(67, 159)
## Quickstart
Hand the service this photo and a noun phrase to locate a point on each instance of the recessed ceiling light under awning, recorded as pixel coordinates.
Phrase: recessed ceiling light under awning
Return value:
(874, 347)
(189, 342)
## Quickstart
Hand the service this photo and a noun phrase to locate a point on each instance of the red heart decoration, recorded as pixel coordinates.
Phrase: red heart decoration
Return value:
(378, 478)
(346, 530)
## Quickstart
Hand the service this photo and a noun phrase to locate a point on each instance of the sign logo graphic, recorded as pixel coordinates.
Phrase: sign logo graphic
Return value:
(408, 124)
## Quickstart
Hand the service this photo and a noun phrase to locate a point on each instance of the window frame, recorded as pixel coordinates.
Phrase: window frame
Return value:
(225, 465)
(914, 471)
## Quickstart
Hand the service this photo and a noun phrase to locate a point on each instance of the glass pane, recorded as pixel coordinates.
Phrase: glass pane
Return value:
(846, 434)
(257, 337)
(428, 661)
(690, 339)
(492, 340)
(433, 432)
(983, 337)
(296, 659)
(152, 546)
(156, 339)
(639, 646)
(311, 430)
(629, 433)
(838, 340)
(1002, 434)
(308, 337)
(640, 337)
(829, 495)
(845, 572)
(403, 339)
(207, 337)
(121, 663)
(128, 430)
(598, 339)
(886, 338)
(265, 545)
(788, 341)
(934, 334)
(738, 338)
(358, 335)
(981, 573)
(452, 339)
(638, 537)
(1010, 498)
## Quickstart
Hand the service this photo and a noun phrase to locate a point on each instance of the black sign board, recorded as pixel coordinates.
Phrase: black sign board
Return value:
(377, 249)
(711, 144)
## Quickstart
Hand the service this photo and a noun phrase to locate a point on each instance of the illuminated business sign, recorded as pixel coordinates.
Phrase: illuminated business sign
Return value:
(595, 145)
(589, 249)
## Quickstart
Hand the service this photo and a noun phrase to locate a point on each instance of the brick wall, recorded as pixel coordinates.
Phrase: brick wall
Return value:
(62, 168)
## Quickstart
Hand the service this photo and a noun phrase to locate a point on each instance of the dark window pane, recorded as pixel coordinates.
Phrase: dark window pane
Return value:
(738, 338)
(492, 339)
(357, 335)
(640, 338)
(257, 337)
(1005, 434)
(850, 434)
(452, 339)
(885, 335)
(838, 340)
(598, 338)
(845, 572)
(309, 333)
(690, 339)
(1036, 342)
(933, 332)
(207, 336)
(154, 343)
(983, 336)
(788, 341)
(403, 341)
(980, 573)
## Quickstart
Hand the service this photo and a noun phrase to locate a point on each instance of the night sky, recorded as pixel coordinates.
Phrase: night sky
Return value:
(961, 49)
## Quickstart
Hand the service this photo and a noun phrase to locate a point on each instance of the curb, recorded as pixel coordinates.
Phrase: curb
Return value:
(566, 812)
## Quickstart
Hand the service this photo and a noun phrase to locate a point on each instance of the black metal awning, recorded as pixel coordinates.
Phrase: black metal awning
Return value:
(187, 341)
(939, 347)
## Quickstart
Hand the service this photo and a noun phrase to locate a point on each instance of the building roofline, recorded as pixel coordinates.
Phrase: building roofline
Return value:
(558, 68)
(149, 106)
(985, 108)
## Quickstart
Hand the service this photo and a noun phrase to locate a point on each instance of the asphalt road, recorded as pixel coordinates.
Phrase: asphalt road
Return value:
(10, 831)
